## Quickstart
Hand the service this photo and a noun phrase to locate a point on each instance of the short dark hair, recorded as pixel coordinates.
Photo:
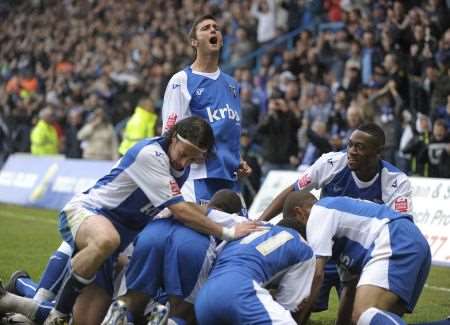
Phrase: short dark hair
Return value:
(227, 201)
(293, 200)
(294, 224)
(196, 130)
(375, 131)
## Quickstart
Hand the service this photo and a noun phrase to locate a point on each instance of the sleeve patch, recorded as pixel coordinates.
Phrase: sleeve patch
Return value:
(401, 204)
(174, 188)
(304, 181)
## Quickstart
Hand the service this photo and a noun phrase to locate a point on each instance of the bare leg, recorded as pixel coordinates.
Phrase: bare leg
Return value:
(371, 296)
(91, 306)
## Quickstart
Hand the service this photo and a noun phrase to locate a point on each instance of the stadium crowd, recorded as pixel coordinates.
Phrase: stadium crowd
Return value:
(73, 72)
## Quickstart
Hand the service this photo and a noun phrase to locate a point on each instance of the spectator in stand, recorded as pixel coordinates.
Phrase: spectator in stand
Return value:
(443, 112)
(98, 138)
(44, 137)
(265, 13)
(142, 124)
(416, 146)
(74, 123)
(387, 104)
(438, 153)
(249, 110)
(277, 132)
(370, 56)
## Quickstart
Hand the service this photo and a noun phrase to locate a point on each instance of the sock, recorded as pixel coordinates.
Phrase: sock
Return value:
(57, 268)
(69, 292)
(130, 317)
(26, 287)
(42, 312)
(16, 304)
(375, 316)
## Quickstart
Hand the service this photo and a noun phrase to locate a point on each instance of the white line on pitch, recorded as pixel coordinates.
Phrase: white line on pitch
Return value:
(437, 288)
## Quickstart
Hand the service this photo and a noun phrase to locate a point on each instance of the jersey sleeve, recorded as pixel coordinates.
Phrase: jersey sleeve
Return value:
(176, 101)
(321, 172)
(295, 284)
(320, 230)
(397, 192)
(151, 173)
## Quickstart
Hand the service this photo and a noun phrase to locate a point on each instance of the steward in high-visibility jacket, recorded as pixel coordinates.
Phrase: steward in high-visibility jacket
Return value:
(141, 125)
(44, 137)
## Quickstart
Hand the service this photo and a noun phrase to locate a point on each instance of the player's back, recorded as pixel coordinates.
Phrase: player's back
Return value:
(263, 254)
(350, 226)
(118, 195)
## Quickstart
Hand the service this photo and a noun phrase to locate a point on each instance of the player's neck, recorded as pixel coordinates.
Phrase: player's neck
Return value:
(367, 174)
(208, 64)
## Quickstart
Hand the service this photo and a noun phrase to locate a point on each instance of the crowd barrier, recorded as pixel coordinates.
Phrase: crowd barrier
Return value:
(47, 182)
(430, 199)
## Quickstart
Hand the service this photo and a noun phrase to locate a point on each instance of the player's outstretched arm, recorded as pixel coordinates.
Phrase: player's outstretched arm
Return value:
(346, 302)
(192, 216)
(303, 315)
(276, 206)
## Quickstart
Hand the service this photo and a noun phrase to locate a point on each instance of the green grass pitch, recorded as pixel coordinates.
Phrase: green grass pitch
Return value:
(29, 236)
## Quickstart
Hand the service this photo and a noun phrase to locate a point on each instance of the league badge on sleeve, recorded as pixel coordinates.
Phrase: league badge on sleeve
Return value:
(401, 204)
(304, 181)
(174, 188)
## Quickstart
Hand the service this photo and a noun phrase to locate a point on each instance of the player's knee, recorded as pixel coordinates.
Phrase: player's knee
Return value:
(106, 245)
(375, 316)
(357, 314)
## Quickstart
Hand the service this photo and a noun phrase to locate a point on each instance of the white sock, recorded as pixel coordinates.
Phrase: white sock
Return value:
(43, 295)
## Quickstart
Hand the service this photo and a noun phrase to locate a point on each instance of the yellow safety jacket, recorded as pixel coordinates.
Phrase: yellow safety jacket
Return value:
(141, 125)
(44, 139)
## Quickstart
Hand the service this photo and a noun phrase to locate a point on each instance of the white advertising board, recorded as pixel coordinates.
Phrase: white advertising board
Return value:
(431, 208)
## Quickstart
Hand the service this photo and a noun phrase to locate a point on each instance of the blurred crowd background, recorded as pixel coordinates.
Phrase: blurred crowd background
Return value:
(72, 72)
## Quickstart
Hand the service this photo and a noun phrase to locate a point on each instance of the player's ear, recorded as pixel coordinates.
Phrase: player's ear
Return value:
(194, 42)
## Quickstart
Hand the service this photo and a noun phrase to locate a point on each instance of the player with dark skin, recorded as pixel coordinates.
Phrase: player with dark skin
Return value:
(364, 154)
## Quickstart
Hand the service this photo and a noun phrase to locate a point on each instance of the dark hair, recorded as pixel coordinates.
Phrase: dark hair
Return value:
(227, 201)
(198, 20)
(293, 200)
(375, 131)
(294, 224)
(194, 129)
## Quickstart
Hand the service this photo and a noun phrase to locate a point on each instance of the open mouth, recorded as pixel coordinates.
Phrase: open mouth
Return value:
(213, 40)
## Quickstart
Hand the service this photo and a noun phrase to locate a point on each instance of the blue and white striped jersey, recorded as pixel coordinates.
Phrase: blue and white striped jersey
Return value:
(140, 185)
(346, 228)
(275, 255)
(215, 98)
(331, 174)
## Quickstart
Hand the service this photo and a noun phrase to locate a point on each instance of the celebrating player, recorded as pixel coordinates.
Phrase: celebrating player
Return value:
(379, 251)
(358, 173)
(203, 90)
(106, 218)
(236, 293)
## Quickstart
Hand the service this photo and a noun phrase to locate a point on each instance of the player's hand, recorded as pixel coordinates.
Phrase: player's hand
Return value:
(241, 230)
(244, 169)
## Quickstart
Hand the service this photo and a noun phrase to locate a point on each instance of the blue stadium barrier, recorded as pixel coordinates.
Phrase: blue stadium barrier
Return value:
(47, 181)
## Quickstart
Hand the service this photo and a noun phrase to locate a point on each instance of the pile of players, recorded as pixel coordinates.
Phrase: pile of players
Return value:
(139, 241)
